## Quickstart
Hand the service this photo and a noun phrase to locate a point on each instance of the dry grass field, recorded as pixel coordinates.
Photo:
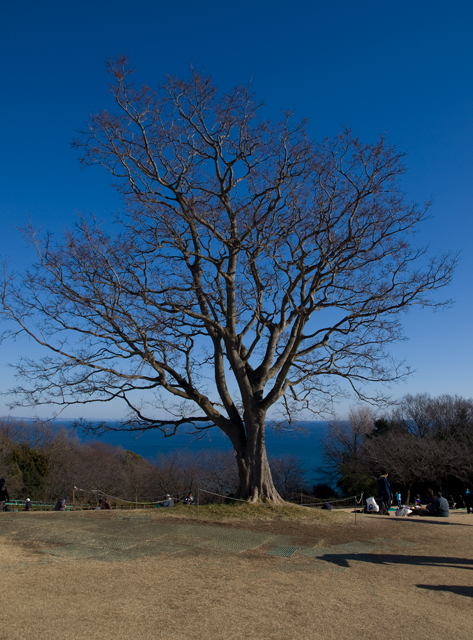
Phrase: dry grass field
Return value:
(235, 573)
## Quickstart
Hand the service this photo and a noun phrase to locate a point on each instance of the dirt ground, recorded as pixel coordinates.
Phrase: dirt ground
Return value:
(117, 576)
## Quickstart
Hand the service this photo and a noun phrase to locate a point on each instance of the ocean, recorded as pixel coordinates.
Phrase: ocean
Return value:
(303, 443)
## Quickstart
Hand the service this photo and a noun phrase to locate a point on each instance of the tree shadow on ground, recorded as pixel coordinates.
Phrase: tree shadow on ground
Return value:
(453, 588)
(343, 559)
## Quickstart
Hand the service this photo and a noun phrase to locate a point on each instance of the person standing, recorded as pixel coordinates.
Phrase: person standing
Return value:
(398, 498)
(384, 493)
(468, 501)
(4, 497)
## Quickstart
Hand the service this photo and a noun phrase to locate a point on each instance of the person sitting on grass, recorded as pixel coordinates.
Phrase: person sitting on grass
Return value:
(189, 499)
(60, 505)
(103, 504)
(168, 502)
(438, 508)
(429, 497)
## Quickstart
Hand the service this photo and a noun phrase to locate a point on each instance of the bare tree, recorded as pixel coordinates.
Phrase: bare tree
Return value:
(441, 417)
(252, 270)
(184, 471)
(289, 475)
(343, 448)
(345, 438)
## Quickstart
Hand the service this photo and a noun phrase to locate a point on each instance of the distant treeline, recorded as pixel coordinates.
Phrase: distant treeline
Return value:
(43, 462)
(422, 442)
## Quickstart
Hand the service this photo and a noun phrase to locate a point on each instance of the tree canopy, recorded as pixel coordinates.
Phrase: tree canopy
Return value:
(251, 269)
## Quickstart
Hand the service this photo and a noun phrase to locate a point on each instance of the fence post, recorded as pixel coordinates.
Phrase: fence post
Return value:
(73, 499)
(198, 501)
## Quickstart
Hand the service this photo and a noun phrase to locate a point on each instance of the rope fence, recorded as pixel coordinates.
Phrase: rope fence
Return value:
(102, 494)
(154, 502)
(327, 501)
(293, 504)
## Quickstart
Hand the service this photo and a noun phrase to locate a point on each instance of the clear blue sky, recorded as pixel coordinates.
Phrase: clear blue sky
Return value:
(400, 68)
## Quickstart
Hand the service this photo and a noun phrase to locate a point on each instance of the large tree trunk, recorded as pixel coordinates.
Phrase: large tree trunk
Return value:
(256, 482)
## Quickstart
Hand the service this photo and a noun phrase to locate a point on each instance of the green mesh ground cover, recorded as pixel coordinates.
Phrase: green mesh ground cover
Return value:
(283, 541)
(230, 546)
(141, 551)
(115, 542)
(97, 542)
(74, 552)
(156, 546)
(23, 534)
(103, 528)
(200, 530)
(122, 540)
(183, 540)
(285, 552)
(45, 535)
(237, 540)
(65, 537)
(20, 524)
(295, 541)
(125, 538)
(114, 526)
(245, 536)
(152, 530)
(54, 517)
(131, 536)
(145, 516)
(6, 528)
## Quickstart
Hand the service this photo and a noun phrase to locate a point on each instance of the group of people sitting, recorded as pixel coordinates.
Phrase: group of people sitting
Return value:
(435, 504)
(448, 503)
